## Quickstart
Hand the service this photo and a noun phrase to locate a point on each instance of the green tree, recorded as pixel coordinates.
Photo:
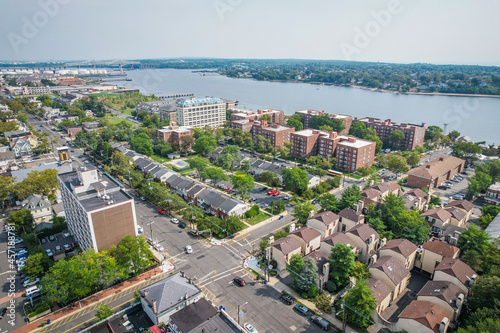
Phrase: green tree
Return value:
(466, 150)
(301, 211)
(323, 302)
(359, 271)
(199, 163)
(329, 202)
(296, 121)
(350, 196)
(484, 290)
(341, 263)
(243, 183)
(205, 145)
(22, 220)
(477, 184)
(36, 266)
(487, 325)
(103, 312)
(397, 164)
(120, 163)
(142, 144)
(308, 275)
(214, 174)
(187, 142)
(432, 132)
(133, 254)
(266, 117)
(270, 178)
(295, 265)
(22, 117)
(295, 180)
(361, 300)
(245, 166)
(278, 206)
(396, 136)
(232, 157)
(474, 239)
(38, 182)
(454, 135)
(263, 244)
(491, 168)
(413, 159)
(6, 186)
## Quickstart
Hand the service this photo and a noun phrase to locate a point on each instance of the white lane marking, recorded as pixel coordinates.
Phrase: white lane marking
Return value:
(218, 274)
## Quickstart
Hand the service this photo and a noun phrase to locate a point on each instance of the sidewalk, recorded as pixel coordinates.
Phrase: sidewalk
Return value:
(100, 296)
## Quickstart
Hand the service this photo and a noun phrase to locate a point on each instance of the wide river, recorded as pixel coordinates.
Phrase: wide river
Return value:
(477, 117)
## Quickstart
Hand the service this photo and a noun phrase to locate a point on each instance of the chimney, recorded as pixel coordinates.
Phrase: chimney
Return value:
(427, 166)
(443, 325)
(154, 307)
(441, 159)
(333, 135)
(186, 296)
(460, 300)
(276, 125)
(353, 140)
(145, 293)
(260, 111)
(263, 123)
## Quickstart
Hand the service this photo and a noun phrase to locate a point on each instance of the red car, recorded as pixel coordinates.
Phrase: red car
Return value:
(162, 211)
(229, 189)
(276, 194)
(271, 192)
(239, 281)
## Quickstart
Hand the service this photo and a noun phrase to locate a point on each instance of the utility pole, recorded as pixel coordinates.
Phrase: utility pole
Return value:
(345, 318)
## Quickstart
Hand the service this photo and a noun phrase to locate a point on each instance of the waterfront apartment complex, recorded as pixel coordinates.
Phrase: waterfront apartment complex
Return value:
(278, 134)
(98, 212)
(201, 112)
(309, 114)
(351, 152)
(276, 116)
(414, 134)
(174, 133)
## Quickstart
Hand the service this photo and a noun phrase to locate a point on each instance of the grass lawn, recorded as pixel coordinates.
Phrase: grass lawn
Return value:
(257, 218)
(158, 158)
(115, 121)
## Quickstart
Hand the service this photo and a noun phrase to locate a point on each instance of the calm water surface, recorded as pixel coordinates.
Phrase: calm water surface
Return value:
(476, 117)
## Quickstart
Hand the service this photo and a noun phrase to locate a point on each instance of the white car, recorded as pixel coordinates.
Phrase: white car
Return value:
(49, 252)
(29, 283)
(189, 249)
(174, 221)
(250, 328)
(143, 199)
(66, 234)
(159, 247)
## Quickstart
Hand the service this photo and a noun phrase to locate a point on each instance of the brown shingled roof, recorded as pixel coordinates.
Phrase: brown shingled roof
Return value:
(371, 193)
(307, 234)
(339, 237)
(416, 192)
(363, 231)
(456, 268)
(445, 290)
(379, 289)
(394, 270)
(401, 246)
(426, 313)
(441, 248)
(382, 187)
(286, 244)
(325, 217)
(351, 214)
(437, 167)
(464, 204)
(439, 213)
(457, 213)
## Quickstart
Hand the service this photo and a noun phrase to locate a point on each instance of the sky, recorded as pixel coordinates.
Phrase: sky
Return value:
(401, 31)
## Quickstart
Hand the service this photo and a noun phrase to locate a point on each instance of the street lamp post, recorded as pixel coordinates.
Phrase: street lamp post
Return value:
(151, 229)
(239, 306)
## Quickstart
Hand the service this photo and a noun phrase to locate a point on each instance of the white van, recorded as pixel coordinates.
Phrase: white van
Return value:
(32, 290)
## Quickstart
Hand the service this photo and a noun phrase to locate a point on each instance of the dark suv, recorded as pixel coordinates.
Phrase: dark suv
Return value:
(287, 299)
(239, 281)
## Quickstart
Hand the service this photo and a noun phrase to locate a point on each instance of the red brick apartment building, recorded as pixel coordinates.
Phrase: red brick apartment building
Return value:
(278, 134)
(351, 152)
(277, 116)
(492, 196)
(435, 172)
(308, 114)
(414, 134)
(174, 133)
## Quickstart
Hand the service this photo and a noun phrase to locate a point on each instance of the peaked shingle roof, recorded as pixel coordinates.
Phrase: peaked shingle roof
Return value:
(351, 214)
(464, 204)
(457, 213)
(437, 167)
(391, 267)
(307, 234)
(325, 217)
(456, 268)
(439, 213)
(379, 289)
(445, 290)
(401, 246)
(286, 244)
(363, 231)
(441, 248)
(339, 237)
(426, 313)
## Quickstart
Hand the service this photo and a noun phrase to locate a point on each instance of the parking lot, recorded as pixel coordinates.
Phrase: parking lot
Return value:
(458, 188)
(58, 244)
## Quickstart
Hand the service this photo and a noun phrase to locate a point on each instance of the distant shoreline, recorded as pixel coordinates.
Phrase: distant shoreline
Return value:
(372, 89)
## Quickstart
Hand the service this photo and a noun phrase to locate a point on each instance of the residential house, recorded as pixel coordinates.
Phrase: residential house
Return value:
(39, 207)
(282, 251)
(464, 205)
(391, 272)
(381, 292)
(424, 316)
(492, 196)
(377, 192)
(323, 264)
(455, 271)
(367, 241)
(349, 218)
(433, 252)
(437, 218)
(312, 180)
(21, 148)
(6, 160)
(167, 296)
(446, 294)
(72, 130)
(326, 223)
(416, 199)
(402, 250)
(337, 237)
(309, 239)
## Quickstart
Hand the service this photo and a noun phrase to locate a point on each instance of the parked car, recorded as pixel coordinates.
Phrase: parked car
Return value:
(43, 240)
(143, 199)
(66, 247)
(174, 221)
(49, 252)
(162, 211)
(52, 238)
(323, 324)
(271, 192)
(159, 247)
(18, 241)
(276, 194)
(29, 283)
(3, 311)
(301, 309)
(58, 248)
(229, 189)
(465, 173)
(66, 234)
(442, 187)
(73, 245)
(249, 328)
(189, 249)
(193, 233)
(287, 299)
(182, 225)
(239, 281)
